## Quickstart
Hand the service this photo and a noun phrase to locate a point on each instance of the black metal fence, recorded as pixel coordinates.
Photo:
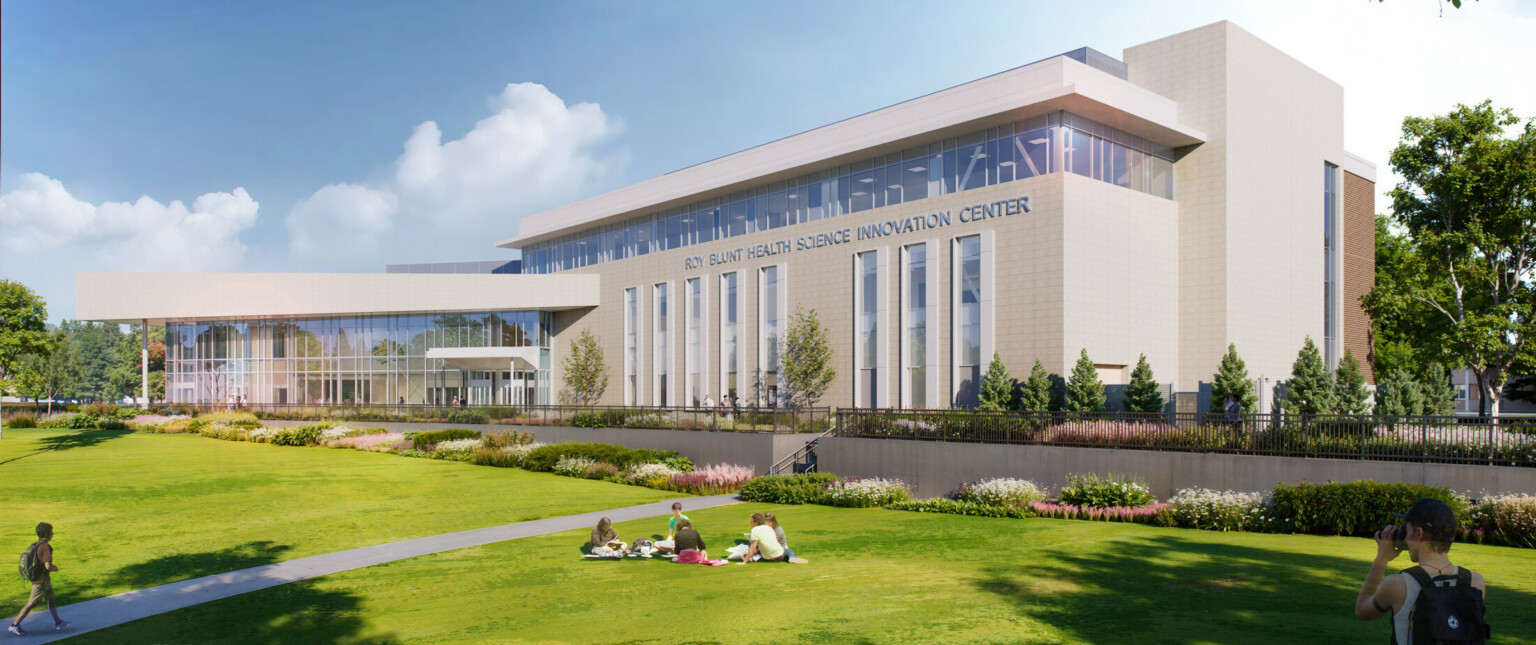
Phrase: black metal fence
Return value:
(715, 419)
(1426, 439)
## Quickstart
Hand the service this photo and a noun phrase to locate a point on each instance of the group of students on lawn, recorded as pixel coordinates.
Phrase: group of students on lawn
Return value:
(766, 542)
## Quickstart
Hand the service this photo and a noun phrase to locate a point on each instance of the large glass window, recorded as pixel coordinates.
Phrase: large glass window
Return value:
(694, 359)
(1330, 263)
(661, 360)
(914, 344)
(968, 324)
(868, 323)
(769, 321)
(730, 335)
(1046, 144)
(632, 346)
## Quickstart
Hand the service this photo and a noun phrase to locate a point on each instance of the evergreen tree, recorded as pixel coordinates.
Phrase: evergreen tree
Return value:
(996, 387)
(806, 359)
(1399, 395)
(1231, 379)
(585, 373)
(1085, 392)
(1439, 395)
(1310, 389)
(1351, 396)
(1035, 395)
(1142, 395)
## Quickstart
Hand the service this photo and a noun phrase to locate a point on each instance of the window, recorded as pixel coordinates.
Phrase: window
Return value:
(769, 314)
(867, 272)
(730, 335)
(1330, 264)
(694, 352)
(662, 358)
(914, 341)
(632, 346)
(967, 304)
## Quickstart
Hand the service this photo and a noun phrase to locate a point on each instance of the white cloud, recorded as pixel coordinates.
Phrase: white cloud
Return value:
(445, 200)
(42, 219)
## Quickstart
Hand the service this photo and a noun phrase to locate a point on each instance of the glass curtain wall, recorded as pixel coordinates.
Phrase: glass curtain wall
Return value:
(662, 360)
(915, 337)
(1061, 142)
(969, 356)
(356, 360)
(770, 322)
(730, 334)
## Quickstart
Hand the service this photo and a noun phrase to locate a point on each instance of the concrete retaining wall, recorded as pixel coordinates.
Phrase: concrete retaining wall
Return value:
(760, 451)
(934, 468)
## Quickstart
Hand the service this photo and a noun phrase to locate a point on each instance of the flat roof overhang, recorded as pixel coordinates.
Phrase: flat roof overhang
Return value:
(488, 359)
(1040, 88)
(131, 298)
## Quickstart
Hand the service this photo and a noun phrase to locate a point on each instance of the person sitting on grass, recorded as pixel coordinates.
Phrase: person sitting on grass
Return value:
(605, 540)
(778, 532)
(668, 545)
(764, 543)
(690, 546)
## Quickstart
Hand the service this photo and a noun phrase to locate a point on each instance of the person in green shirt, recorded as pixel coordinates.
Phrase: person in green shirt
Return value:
(677, 514)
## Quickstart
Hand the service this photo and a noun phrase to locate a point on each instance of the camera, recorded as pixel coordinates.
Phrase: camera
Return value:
(1400, 537)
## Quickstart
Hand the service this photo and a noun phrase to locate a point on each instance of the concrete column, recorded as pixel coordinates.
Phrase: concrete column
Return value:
(144, 366)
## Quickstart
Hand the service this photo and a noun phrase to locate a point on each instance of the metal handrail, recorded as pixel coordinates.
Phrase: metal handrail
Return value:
(794, 458)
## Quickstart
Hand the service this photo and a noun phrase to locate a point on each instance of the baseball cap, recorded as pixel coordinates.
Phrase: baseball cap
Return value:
(1434, 517)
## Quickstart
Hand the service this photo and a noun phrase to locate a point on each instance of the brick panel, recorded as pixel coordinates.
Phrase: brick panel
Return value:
(1359, 266)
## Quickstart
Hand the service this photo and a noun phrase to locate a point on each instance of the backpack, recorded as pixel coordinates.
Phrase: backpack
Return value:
(30, 568)
(1447, 615)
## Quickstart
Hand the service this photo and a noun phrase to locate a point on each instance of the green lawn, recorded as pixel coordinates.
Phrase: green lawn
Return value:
(136, 510)
(875, 576)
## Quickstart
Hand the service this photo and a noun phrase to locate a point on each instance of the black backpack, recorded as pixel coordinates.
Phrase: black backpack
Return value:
(30, 568)
(1451, 614)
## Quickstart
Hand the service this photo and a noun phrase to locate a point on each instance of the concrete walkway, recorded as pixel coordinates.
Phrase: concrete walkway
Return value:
(105, 612)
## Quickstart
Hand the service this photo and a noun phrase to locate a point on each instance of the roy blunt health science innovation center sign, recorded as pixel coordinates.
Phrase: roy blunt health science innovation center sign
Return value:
(915, 223)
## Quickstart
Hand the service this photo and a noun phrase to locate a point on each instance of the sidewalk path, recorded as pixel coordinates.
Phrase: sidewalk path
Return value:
(105, 612)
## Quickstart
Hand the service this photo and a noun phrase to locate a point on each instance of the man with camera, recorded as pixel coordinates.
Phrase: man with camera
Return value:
(1433, 602)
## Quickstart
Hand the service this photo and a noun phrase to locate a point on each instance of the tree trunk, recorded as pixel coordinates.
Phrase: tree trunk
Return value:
(1488, 403)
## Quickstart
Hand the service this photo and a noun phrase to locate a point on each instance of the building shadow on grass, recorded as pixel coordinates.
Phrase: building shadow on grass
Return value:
(297, 612)
(81, 439)
(1167, 588)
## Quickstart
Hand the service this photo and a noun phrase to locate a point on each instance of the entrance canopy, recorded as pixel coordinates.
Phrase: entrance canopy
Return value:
(488, 359)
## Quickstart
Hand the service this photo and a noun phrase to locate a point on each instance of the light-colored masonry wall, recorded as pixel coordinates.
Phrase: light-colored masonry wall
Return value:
(1251, 197)
(1090, 266)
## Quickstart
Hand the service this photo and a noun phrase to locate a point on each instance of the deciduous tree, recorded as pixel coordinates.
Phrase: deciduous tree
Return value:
(584, 371)
(806, 359)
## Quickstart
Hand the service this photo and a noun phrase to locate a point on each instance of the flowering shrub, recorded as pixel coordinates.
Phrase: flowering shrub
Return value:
(455, 449)
(68, 420)
(225, 431)
(420, 440)
(506, 438)
(717, 479)
(652, 475)
(600, 470)
(305, 435)
(243, 419)
(960, 507)
(1139, 514)
(158, 423)
(573, 466)
(1199, 508)
(1003, 492)
(369, 442)
(339, 432)
(864, 493)
(505, 457)
(257, 435)
(1506, 519)
(1105, 492)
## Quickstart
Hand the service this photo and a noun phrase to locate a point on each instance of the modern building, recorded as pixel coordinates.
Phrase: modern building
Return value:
(1165, 203)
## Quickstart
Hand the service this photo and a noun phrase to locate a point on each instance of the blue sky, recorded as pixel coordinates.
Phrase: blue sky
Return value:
(282, 127)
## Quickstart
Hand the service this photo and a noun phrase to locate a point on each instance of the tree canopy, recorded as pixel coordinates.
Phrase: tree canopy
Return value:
(806, 359)
(584, 371)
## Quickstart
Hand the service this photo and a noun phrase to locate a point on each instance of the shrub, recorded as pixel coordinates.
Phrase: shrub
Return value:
(225, 432)
(506, 438)
(22, 420)
(157, 423)
(242, 419)
(1139, 514)
(305, 435)
(600, 470)
(1353, 508)
(99, 409)
(543, 458)
(369, 442)
(507, 457)
(111, 424)
(717, 479)
(420, 440)
(466, 415)
(338, 432)
(1105, 492)
(455, 449)
(68, 420)
(1016, 493)
(864, 493)
(1506, 519)
(1199, 508)
(959, 507)
(573, 466)
(652, 475)
(787, 489)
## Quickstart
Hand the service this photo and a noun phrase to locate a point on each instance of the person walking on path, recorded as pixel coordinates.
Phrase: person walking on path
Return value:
(38, 569)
